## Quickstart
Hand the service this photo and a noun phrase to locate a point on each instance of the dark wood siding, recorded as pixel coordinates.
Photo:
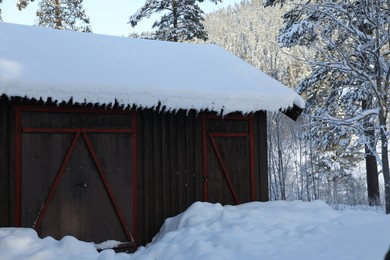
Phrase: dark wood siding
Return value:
(169, 170)
(76, 173)
(5, 157)
(169, 162)
(229, 169)
(260, 151)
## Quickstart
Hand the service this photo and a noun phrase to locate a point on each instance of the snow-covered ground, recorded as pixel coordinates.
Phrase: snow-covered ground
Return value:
(271, 230)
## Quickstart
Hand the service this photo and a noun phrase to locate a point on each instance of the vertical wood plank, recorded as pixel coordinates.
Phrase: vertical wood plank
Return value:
(141, 182)
(148, 173)
(190, 159)
(263, 163)
(198, 157)
(165, 159)
(173, 165)
(256, 137)
(134, 171)
(181, 159)
(4, 161)
(156, 174)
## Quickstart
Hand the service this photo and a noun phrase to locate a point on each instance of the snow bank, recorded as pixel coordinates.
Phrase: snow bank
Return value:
(24, 243)
(272, 230)
(41, 63)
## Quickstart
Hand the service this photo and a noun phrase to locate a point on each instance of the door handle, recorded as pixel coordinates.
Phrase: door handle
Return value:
(82, 185)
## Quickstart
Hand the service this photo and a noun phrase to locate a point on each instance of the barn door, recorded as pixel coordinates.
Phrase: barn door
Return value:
(228, 159)
(76, 173)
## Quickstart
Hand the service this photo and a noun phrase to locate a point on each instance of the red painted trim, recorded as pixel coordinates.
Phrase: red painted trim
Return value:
(56, 182)
(56, 109)
(107, 187)
(225, 171)
(228, 117)
(76, 130)
(252, 158)
(20, 108)
(229, 134)
(18, 170)
(250, 133)
(109, 130)
(135, 176)
(204, 142)
(50, 130)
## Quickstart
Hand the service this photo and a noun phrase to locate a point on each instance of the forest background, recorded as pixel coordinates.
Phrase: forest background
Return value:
(335, 151)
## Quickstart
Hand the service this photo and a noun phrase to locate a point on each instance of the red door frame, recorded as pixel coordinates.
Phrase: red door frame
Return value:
(18, 109)
(212, 136)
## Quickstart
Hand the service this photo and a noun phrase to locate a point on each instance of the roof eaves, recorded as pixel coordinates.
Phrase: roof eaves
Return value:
(293, 112)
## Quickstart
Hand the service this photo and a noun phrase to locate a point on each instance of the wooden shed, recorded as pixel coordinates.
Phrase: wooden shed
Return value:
(103, 138)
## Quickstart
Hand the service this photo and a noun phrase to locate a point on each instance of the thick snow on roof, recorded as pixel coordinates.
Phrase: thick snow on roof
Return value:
(88, 68)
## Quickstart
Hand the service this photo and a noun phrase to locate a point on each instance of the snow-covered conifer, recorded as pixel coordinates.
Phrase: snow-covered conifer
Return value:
(348, 89)
(181, 20)
(1, 19)
(273, 2)
(61, 14)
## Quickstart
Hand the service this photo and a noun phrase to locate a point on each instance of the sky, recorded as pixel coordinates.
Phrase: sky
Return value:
(258, 230)
(110, 19)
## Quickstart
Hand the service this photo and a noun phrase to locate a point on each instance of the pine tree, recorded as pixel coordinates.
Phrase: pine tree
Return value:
(60, 14)
(347, 91)
(1, 19)
(299, 166)
(272, 2)
(181, 19)
(249, 31)
(21, 4)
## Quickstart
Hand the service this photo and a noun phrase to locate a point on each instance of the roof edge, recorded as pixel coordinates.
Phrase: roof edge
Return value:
(293, 112)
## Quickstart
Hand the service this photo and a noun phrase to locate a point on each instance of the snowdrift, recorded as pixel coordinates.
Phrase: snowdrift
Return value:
(271, 230)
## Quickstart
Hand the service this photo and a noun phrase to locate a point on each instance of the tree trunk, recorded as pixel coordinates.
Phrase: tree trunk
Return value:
(385, 149)
(372, 178)
(371, 162)
(383, 88)
(386, 170)
(281, 167)
(58, 15)
(385, 159)
(175, 17)
(384, 140)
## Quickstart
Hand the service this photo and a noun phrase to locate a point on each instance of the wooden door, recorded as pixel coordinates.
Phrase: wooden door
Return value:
(76, 173)
(228, 159)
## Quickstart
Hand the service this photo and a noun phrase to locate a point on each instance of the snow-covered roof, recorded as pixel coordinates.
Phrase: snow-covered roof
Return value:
(44, 63)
